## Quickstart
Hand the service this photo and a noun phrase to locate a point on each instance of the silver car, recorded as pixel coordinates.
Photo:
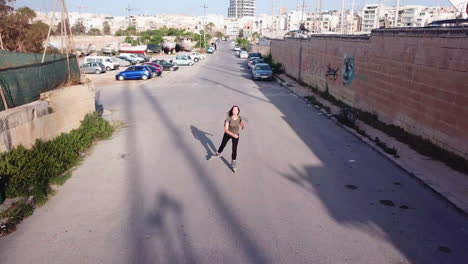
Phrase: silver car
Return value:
(123, 63)
(93, 67)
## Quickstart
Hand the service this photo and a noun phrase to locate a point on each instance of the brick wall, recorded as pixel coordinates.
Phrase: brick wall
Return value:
(414, 78)
(264, 50)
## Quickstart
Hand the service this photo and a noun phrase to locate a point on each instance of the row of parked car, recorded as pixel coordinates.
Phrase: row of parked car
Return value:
(145, 70)
(259, 69)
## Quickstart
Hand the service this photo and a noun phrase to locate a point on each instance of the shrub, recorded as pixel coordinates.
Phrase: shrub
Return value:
(277, 68)
(28, 172)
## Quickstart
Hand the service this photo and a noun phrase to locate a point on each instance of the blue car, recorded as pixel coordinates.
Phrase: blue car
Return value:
(135, 73)
(262, 71)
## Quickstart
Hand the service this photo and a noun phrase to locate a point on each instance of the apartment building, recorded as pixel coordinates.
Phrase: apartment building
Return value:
(241, 8)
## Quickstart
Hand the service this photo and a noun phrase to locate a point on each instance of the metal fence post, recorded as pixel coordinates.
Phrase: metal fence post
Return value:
(2, 94)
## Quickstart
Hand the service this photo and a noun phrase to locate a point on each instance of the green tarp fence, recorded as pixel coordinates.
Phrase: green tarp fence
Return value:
(23, 77)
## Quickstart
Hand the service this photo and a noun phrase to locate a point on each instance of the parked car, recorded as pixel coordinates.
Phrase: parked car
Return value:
(183, 60)
(123, 63)
(132, 61)
(201, 56)
(154, 70)
(236, 48)
(153, 48)
(195, 55)
(249, 63)
(262, 71)
(255, 54)
(107, 61)
(133, 57)
(145, 58)
(243, 54)
(210, 50)
(255, 62)
(93, 67)
(135, 72)
(153, 64)
(167, 66)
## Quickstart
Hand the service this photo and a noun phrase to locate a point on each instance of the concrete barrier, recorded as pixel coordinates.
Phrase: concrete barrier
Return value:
(57, 111)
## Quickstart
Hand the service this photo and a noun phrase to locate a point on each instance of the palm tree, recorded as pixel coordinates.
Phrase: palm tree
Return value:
(210, 26)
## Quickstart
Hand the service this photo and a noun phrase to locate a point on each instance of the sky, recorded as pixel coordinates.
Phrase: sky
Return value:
(194, 7)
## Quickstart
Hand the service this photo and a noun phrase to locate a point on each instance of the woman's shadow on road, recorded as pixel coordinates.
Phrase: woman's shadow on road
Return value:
(206, 142)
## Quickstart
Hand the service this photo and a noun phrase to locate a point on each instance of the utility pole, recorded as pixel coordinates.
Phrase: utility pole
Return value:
(204, 18)
(303, 7)
(48, 33)
(129, 10)
(342, 15)
(80, 8)
(396, 12)
(320, 17)
(352, 18)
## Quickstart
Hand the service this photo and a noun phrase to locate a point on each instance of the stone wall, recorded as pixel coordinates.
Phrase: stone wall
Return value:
(58, 111)
(84, 41)
(413, 78)
(264, 50)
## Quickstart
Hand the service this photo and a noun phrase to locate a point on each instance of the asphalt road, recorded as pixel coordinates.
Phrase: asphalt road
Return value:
(306, 190)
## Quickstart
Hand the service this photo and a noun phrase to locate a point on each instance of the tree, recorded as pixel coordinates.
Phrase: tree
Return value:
(78, 28)
(106, 28)
(130, 31)
(5, 8)
(94, 32)
(255, 36)
(209, 27)
(58, 30)
(17, 31)
(241, 33)
(243, 43)
(219, 35)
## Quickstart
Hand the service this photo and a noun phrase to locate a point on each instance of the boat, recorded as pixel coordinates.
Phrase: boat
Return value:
(185, 43)
(128, 48)
(108, 49)
(169, 44)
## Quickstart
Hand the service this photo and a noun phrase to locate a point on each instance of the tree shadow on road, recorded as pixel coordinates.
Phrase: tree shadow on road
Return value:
(167, 234)
(247, 246)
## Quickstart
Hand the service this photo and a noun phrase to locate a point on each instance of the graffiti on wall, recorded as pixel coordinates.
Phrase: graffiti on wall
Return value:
(315, 68)
(348, 70)
(332, 74)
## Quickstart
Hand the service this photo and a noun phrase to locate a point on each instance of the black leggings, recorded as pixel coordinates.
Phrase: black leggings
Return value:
(235, 141)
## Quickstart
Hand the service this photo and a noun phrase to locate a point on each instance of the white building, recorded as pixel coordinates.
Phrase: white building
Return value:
(241, 8)
(412, 16)
(371, 17)
(295, 18)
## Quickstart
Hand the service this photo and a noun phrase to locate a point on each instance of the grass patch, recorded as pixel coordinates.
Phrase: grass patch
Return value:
(30, 172)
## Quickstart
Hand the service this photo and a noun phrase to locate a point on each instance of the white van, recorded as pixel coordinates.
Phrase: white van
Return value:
(109, 62)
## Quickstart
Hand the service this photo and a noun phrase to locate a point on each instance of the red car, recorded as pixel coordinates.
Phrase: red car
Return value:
(155, 65)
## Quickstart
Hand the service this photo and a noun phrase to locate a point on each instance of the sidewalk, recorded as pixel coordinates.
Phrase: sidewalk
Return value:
(450, 184)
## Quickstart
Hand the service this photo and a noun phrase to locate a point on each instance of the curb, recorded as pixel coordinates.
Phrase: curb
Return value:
(378, 150)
